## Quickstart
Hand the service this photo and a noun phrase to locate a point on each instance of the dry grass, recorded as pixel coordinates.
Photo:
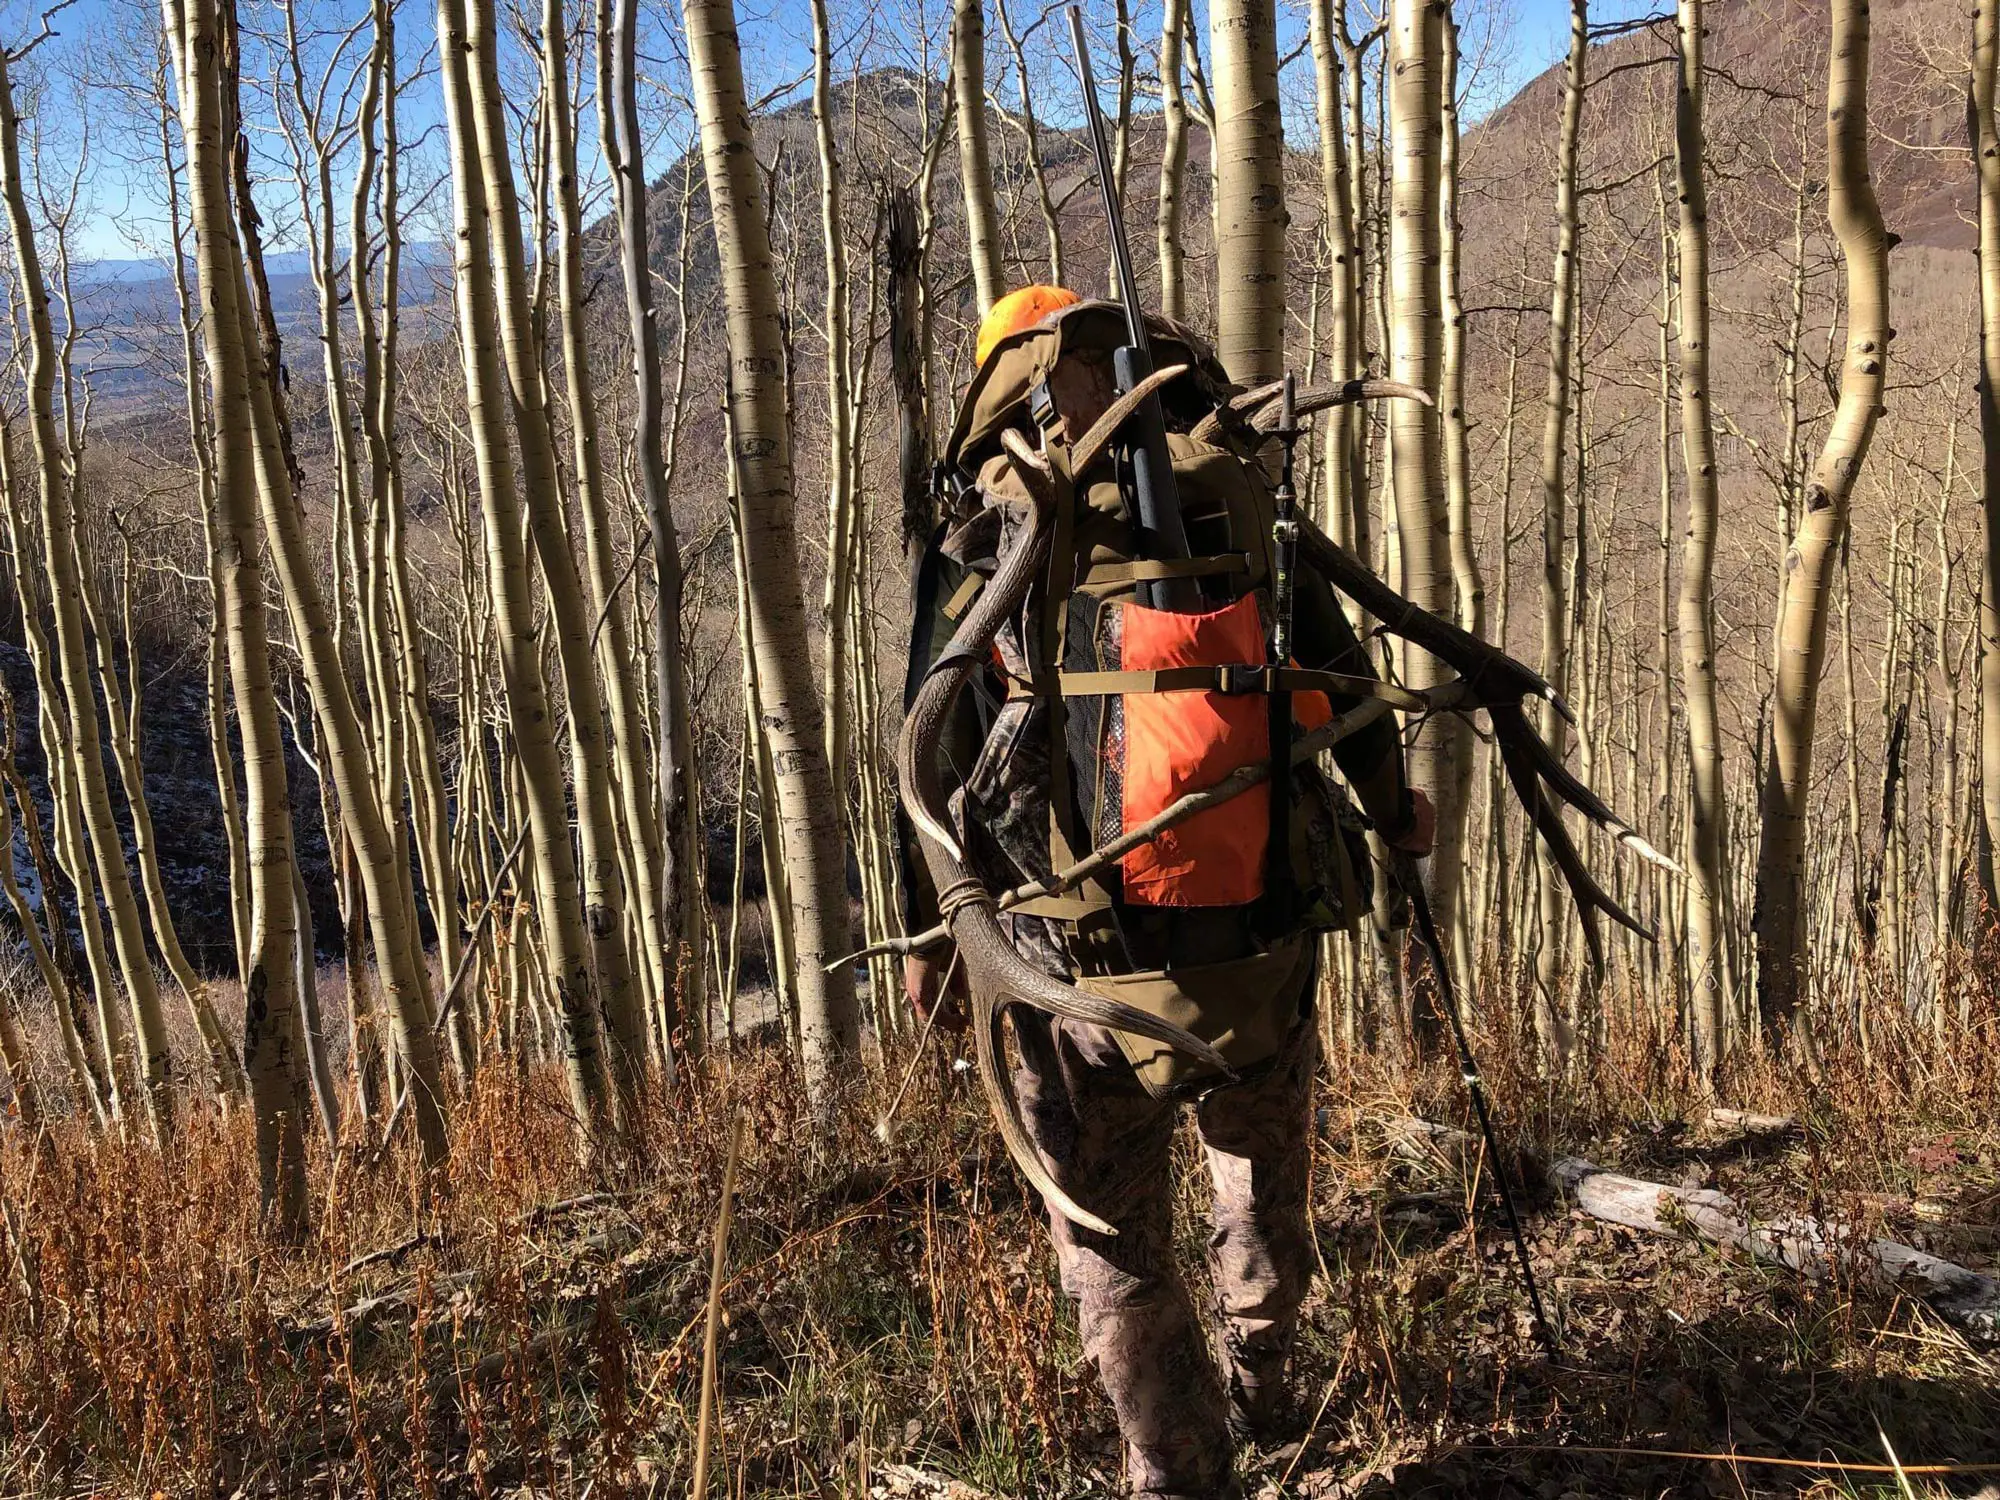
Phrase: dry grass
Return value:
(536, 1329)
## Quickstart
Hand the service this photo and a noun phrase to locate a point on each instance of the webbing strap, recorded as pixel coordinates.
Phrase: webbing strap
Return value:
(1062, 908)
(1235, 679)
(962, 596)
(1147, 570)
(1065, 838)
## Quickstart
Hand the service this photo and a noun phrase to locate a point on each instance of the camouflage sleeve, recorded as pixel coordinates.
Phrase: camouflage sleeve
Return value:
(1372, 758)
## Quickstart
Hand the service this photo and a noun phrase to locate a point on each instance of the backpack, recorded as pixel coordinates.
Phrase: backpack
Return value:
(1097, 712)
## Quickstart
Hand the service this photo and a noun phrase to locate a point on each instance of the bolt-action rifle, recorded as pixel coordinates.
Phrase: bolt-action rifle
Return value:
(1145, 472)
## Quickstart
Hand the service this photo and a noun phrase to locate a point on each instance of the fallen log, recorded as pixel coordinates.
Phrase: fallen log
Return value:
(1750, 1123)
(1964, 1297)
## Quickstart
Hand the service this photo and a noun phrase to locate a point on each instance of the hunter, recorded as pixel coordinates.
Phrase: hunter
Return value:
(1088, 712)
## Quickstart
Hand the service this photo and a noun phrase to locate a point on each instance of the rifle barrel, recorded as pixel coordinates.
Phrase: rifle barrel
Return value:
(1148, 467)
(1121, 251)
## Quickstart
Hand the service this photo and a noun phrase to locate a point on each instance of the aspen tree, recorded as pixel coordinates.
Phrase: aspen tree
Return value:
(1249, 152)
(1173, 161)
(1707, 812)
(61, 994)
(606, 961)
(1555, 495)
(606, 622)
(364, 549)
(14, 1054)
(1416, 356)
(305, 960)
(199, 441)
(123, 704)
(1945, 799)
(841, 542)
(975, 153)
(195, 36)
(676, 779)
(1856, 218)
(788, 710)
(259, 426)
(526, 695)
(123, 708)
(1660, 781)
(20, 1067)
(378, 322)
(1031, 141)
(494, 323)
(1352, 52)
(1453, 786)
(110, 1062)
(1128, 70)
(1203, 109)
(1985, 139)
(83, 750)
(1344, 296)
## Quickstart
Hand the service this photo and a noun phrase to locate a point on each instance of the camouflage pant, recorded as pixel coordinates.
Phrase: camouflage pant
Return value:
(1108, 1143)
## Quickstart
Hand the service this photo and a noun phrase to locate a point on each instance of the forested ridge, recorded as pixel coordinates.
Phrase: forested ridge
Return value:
(463, 471)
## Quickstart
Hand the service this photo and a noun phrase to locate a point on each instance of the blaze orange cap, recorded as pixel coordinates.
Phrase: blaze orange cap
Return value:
(1019, 310)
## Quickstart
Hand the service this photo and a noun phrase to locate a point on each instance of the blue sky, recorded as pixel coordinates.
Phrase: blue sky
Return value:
(1526, 37)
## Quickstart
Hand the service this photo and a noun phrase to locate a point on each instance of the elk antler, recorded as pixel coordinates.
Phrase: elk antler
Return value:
(1498, 683)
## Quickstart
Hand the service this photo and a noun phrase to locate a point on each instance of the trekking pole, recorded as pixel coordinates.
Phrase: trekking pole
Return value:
(1284, 559)
(1405, 867)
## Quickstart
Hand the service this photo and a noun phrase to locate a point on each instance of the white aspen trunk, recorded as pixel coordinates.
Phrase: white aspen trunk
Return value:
(542, 801)
(1707, 810)
(123, 718)
(400, 665)
(197, 36)
(1173, 161)
(218, 646)
(607, 973)
(1453, 784)
(789, 711)
(606, 618)
(110, 1061)
(676, 780)
(975, 153)
(1985, 136)
(84, 749)
(1555, 503)
(1416, 356)
(1856, 218)
(1249, 152)
(840, 495)
(1343, 320)
(61, 993)
(346, 757)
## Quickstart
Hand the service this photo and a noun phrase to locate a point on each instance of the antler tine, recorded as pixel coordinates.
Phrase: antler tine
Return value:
(1245, 403)
(1583, 887)
(1631, 840)
(1570, 788)
(1094, 442)
(1342, 393)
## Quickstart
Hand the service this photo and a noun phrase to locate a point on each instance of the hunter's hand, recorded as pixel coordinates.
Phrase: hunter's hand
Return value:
(1419, 832)
(923, 986)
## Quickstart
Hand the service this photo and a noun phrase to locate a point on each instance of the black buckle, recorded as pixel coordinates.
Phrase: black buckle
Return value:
(1241, 677)
(1042, 405)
